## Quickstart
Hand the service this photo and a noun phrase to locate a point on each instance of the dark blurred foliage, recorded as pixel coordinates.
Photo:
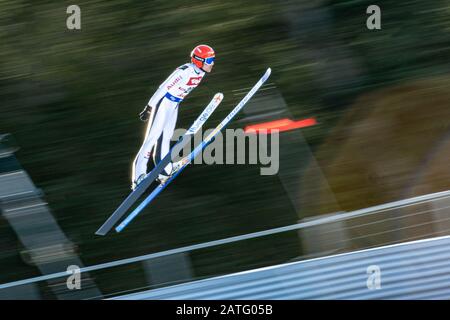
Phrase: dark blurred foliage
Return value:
(71, 99)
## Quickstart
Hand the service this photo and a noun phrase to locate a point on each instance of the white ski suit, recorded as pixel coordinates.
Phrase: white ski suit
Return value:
(163, 117)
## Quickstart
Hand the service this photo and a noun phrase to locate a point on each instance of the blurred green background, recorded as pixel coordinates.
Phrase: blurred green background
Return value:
(71, 98)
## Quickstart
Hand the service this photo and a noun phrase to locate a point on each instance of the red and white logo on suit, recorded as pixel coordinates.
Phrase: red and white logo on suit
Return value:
(193, 81)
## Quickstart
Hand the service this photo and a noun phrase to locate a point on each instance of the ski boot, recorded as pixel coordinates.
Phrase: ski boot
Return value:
(137, 181)
(162, 178)
(178, 165)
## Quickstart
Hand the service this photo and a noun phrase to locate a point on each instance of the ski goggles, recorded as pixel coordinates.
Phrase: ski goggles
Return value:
(209, 60)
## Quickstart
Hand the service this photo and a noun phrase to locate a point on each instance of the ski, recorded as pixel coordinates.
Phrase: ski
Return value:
(195, 152)
(140, 189)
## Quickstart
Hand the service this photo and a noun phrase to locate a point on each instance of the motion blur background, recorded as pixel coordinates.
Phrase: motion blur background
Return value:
(71, 99)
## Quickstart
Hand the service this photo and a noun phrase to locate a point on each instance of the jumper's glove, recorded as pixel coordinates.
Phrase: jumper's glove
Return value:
(145, 114)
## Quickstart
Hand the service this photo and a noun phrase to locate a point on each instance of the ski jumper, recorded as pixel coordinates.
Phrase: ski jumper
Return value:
(163, 118)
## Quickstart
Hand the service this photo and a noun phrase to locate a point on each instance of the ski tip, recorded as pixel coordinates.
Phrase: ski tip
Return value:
(269, 71)
(219, 95)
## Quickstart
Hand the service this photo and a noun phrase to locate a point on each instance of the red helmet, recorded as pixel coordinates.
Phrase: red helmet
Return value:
(202, 54)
